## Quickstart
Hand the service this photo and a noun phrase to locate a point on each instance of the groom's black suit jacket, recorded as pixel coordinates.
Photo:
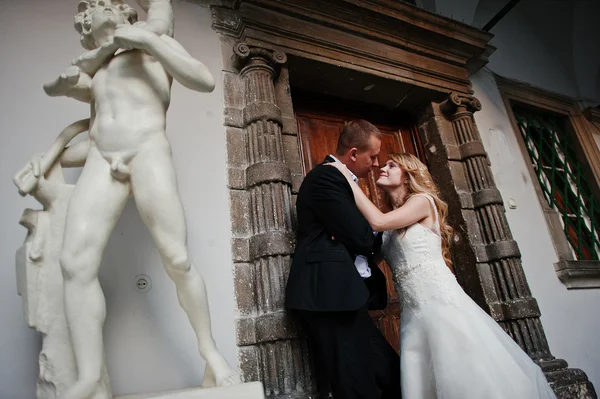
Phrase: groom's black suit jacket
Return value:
(323, 276)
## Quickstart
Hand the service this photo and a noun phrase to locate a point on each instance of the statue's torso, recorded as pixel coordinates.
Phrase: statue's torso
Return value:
(131, 96)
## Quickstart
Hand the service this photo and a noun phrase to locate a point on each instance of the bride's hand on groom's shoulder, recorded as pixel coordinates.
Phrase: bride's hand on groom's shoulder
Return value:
(341, 167)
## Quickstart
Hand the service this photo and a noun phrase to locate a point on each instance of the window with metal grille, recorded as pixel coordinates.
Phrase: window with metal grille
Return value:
(560, 172)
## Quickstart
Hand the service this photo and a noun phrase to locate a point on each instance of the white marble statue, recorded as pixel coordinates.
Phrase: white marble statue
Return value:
(126, 76)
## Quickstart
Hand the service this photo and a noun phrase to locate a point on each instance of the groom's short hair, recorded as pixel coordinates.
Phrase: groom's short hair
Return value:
(356, 134)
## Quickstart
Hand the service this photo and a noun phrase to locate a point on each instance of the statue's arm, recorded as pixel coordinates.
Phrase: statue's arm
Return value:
(74, 156)
(180, 64)
(72, 83)
(160, 16)
(91, 61)
(177, 62)
(28, 177)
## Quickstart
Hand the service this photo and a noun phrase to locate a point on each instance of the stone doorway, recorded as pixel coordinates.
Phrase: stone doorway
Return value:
(332, 48)
(320, 120)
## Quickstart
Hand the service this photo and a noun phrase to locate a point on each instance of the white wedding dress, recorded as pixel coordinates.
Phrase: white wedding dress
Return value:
(449, 347)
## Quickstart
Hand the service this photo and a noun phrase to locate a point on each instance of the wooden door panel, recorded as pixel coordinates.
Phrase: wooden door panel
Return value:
(318, 139)
(390, 142)
(318, 132)
(410, 141)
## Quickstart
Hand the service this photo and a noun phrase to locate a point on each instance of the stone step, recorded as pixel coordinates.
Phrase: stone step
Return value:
(249, 390)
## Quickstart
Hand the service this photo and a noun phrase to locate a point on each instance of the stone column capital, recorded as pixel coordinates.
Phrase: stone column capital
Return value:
(456, 103)
(247, 57)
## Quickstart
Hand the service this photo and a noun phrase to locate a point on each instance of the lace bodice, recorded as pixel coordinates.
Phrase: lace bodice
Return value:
(414, 255)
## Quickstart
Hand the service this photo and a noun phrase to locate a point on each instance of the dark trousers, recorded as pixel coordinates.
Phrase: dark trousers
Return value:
(352, 355)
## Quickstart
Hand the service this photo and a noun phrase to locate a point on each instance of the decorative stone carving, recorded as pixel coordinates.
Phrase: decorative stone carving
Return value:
(441, 52)
(126, 77)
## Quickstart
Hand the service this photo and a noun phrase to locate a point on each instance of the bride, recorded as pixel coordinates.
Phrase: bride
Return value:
(449, 347)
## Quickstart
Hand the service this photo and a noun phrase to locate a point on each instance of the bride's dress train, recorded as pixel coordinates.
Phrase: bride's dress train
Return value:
(449, 347)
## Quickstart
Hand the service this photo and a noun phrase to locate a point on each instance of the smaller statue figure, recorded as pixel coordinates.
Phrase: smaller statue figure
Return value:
(39, 275)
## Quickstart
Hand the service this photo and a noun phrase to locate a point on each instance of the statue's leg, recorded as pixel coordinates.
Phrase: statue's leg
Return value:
(154, 186)
(94, 208)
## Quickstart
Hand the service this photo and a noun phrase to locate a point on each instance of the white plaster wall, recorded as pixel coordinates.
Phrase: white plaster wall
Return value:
(527, 52)
(558, 40)
(585, 44)
(150, 345)
(570, 317)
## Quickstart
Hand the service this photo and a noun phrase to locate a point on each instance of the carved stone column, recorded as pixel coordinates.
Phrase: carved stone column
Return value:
(506, 290)
(488, 261)
(270, 349)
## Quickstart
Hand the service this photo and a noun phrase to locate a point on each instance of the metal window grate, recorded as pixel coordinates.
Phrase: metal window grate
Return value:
(559, 171)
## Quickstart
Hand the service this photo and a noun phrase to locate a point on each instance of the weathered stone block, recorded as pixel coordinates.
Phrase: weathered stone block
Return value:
(239, 205)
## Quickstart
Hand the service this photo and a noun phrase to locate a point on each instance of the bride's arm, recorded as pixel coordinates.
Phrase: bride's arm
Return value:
(413, 211)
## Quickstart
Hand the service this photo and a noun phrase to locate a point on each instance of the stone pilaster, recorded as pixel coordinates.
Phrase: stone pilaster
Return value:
(487, 258)
(507, 292)
(263, 226)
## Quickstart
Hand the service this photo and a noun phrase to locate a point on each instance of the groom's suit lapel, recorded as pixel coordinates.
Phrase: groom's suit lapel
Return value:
(377, 283)
(329, 159)
(378, 241)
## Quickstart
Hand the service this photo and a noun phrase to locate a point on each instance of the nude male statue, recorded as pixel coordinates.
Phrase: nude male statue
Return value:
(128, 154)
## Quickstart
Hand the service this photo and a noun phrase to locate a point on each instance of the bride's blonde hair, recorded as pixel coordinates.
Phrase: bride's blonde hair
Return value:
(420, 182)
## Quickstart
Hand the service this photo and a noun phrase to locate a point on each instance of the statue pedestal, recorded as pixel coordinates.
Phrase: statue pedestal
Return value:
(249, 390)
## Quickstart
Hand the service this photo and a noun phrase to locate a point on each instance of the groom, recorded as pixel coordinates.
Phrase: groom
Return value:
(333, 283)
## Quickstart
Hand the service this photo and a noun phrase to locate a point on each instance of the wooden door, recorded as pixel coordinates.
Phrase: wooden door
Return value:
(319, 125)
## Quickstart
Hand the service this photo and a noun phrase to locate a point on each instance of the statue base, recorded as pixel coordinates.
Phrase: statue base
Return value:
(249, 390)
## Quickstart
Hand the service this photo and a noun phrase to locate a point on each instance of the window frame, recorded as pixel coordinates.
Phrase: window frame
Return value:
(574, 274)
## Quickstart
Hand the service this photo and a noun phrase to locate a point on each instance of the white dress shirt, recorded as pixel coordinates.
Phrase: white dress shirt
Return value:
(361, 263)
